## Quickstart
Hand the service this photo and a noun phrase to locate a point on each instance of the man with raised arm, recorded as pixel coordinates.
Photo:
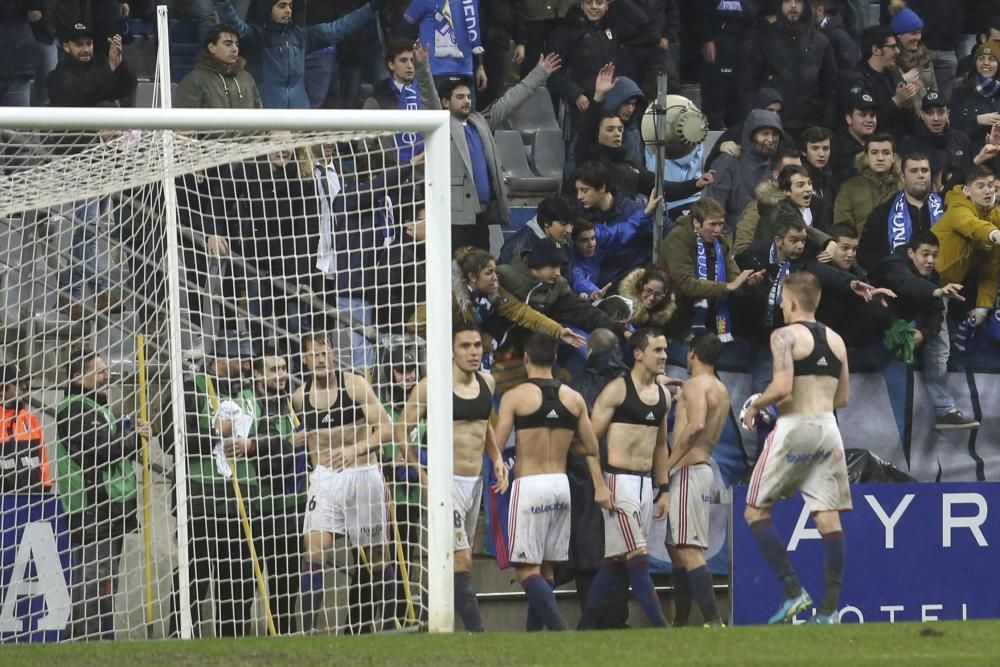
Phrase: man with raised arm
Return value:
(631, 413)
(472, 433)
(343, 428)
(804, 452)
(701, 413)
(547, 414)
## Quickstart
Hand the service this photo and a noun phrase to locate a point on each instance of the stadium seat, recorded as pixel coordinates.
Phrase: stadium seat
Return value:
(548, 153)
(145, 95)
(711, 140)
(534, 115)
(514, 163)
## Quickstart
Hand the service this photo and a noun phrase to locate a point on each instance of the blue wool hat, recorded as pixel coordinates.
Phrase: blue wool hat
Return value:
(906, 21)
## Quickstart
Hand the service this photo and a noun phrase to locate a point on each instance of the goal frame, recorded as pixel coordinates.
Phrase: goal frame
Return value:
(435, 127)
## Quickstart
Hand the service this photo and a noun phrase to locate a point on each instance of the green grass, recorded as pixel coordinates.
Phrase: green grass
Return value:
(946, 644)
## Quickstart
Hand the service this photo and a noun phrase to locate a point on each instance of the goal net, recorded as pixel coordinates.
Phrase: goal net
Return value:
(207, 342)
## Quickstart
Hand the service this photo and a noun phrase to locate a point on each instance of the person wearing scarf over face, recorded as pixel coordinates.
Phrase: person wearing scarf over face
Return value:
(894, 222)
(975, 104)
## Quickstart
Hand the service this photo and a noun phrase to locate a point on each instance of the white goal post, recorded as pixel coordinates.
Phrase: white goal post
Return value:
(175, 128)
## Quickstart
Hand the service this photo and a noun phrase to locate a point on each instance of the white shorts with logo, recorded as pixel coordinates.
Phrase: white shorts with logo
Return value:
(625, 526)
(690, 505)
(351, 502)
(803, 453)
(538, 521)
(466, 494)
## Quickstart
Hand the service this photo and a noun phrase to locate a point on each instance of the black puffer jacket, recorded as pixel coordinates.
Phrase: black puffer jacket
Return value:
(951, 148)
(795, 59)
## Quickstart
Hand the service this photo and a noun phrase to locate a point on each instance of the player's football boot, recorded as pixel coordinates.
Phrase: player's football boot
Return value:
(790, 607)
(825, 619)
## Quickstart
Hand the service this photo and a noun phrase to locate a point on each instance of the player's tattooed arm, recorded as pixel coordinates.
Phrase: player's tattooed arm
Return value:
(782, 346)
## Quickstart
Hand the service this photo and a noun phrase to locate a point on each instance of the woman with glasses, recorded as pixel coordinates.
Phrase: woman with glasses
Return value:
(652, 296)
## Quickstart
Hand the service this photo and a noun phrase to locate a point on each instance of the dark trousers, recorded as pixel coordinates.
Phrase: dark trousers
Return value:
(536, 35)
(720, 98)
(95, 582)
(218, 547)
(475, 235)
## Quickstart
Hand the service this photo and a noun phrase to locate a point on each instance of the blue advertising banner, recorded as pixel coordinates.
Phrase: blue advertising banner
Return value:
(34, 569)
(915, 552)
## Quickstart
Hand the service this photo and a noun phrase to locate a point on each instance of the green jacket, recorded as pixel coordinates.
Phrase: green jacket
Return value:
(211, 493)
(859, 195)
(214, 85)
(556, 300)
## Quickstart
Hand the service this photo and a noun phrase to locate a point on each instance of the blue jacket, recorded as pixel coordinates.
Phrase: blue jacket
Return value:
(276, 54)
(521, 240)
(624, 242)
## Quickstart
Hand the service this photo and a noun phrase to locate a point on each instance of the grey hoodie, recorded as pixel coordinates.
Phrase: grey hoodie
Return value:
(737, 178)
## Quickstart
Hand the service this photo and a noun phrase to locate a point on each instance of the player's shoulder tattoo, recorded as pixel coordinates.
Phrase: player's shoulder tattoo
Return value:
(782, 342)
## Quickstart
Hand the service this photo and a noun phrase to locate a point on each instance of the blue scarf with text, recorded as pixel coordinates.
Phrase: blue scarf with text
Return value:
(900, 227)
(774, 296)
(409, 143)
(723, 325)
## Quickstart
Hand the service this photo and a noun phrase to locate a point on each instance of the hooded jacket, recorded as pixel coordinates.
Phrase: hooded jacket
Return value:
(761, 99)
(859, 196)
(276, 53)
(625, 89)
(555, 300)
(522, 239)
(915, 300)
(796, 59)
(737, 178)
(658, 316)
(213, 84)
(963, 232)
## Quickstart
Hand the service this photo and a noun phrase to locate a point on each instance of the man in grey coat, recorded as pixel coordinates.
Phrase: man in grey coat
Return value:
(478, 190)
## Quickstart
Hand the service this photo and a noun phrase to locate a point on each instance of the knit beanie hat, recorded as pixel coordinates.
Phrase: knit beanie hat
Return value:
(990, 48)
(906, 21)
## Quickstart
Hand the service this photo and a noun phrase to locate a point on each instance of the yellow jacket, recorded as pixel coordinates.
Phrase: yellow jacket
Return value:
(963, 232)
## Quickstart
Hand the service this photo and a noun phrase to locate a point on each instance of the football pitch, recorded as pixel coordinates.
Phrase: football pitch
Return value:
(955, 643)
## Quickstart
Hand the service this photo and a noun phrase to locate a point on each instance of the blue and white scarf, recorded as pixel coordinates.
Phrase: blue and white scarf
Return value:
(409, 143)
(774, 296)
(445, 39)
(723, 325)
(900, 227)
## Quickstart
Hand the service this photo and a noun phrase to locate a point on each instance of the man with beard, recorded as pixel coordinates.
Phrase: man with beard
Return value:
(211, 401)
(84, 80)
(795, 58)
(472, 435)
(934, 137)
(893, 222)
(219, 80)
(757, 315)
(478, 189)
(737, 178)
(282, 476)
(860, 122)
(98, 489)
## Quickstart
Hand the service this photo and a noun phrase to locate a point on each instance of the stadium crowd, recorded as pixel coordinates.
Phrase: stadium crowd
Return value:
(864, 154)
